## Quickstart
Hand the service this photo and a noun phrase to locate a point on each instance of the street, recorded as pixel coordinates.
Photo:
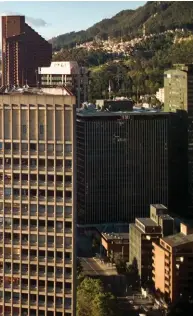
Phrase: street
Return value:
(92, 267)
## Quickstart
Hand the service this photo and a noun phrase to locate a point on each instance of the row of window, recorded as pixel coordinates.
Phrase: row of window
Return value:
(41, 239)
(34, 147)
(34, 208)
(41, 269)
(32, 312)
(33, 223)
(37, 162)
(42, 178)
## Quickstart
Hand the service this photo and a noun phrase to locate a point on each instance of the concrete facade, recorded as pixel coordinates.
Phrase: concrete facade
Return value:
(38, 209)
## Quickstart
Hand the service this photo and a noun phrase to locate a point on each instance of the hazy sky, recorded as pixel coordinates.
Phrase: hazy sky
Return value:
(52, 18)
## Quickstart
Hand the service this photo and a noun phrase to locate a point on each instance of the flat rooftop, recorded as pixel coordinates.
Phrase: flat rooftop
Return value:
(159, 206)
(98, 113)
(35, 91)
(178, 239)
(115, 236)
(166, 216)
(147, 221)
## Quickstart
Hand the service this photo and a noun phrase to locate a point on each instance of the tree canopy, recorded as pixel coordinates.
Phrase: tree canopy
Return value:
(92, 299)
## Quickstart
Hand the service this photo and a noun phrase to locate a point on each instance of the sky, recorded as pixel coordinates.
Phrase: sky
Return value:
(53, 18)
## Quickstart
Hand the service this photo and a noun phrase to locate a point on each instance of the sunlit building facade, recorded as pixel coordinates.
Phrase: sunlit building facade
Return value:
(37, 213)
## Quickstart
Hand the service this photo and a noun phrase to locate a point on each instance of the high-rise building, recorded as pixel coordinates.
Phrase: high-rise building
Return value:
(37, 198)
(178, 86)
(141, 235)
(66, 74)
(172, 265)
(23, 51)
(127, 161)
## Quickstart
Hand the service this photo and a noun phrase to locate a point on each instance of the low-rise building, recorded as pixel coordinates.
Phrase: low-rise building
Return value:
(173, 264)
(115, 244)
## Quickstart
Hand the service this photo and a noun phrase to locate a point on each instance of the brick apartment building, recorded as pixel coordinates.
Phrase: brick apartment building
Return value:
(172, 264)
(23, 51)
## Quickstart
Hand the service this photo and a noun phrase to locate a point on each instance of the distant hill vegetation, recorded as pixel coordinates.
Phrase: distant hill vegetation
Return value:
(157, 17)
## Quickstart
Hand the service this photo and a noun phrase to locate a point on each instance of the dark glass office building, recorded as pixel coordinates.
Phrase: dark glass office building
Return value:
(127, 161)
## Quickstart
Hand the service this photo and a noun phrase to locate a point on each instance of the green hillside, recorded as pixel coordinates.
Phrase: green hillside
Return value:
(157, 16)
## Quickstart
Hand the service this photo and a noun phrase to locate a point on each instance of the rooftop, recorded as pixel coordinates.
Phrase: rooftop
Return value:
(147, 221)
(93, 112)
(26, 90)
(178, 239)
(159, 206)
(166, 216)
(115, 236)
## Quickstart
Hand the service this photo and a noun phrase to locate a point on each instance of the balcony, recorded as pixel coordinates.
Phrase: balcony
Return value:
(59, 303)
(50, 259)
(33, 258)
(24, 164)
(7, 211)
(16, 227)
(50, 303)
(16, 271)
(24, 272)
(16, 241)
(50, 274)
(41, 302)
(41, 164)
(24, 286)
(33, 272)
(50, 289)
(33, 227)
(50, 244)
(50, 214)
(68, 246)
(16, 211)
(68, 165)
(59, 290)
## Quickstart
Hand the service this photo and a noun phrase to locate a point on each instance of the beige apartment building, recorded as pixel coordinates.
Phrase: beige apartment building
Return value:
(37, 213)
(173, 264)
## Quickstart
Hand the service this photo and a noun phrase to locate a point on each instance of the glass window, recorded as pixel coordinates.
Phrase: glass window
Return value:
(7, 192)
(68, 148)
(59, 148)
(41, 129)
(50, 147)
(41, 147)
(24, 129)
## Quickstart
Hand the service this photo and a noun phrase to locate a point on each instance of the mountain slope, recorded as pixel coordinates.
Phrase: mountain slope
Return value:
(157, 17)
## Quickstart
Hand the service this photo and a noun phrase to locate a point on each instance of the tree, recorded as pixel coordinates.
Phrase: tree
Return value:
(92, 299)
(133, 274)
(79, 268)
(120, 263)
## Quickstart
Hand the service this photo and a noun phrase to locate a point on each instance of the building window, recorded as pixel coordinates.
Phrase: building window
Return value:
(41, 129)
(24, 129)
(7, 192)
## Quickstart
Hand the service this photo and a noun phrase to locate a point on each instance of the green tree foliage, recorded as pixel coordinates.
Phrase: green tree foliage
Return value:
(141, 73)
(92, 300)
(157, 16)
(83, 57)
(79, 268)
